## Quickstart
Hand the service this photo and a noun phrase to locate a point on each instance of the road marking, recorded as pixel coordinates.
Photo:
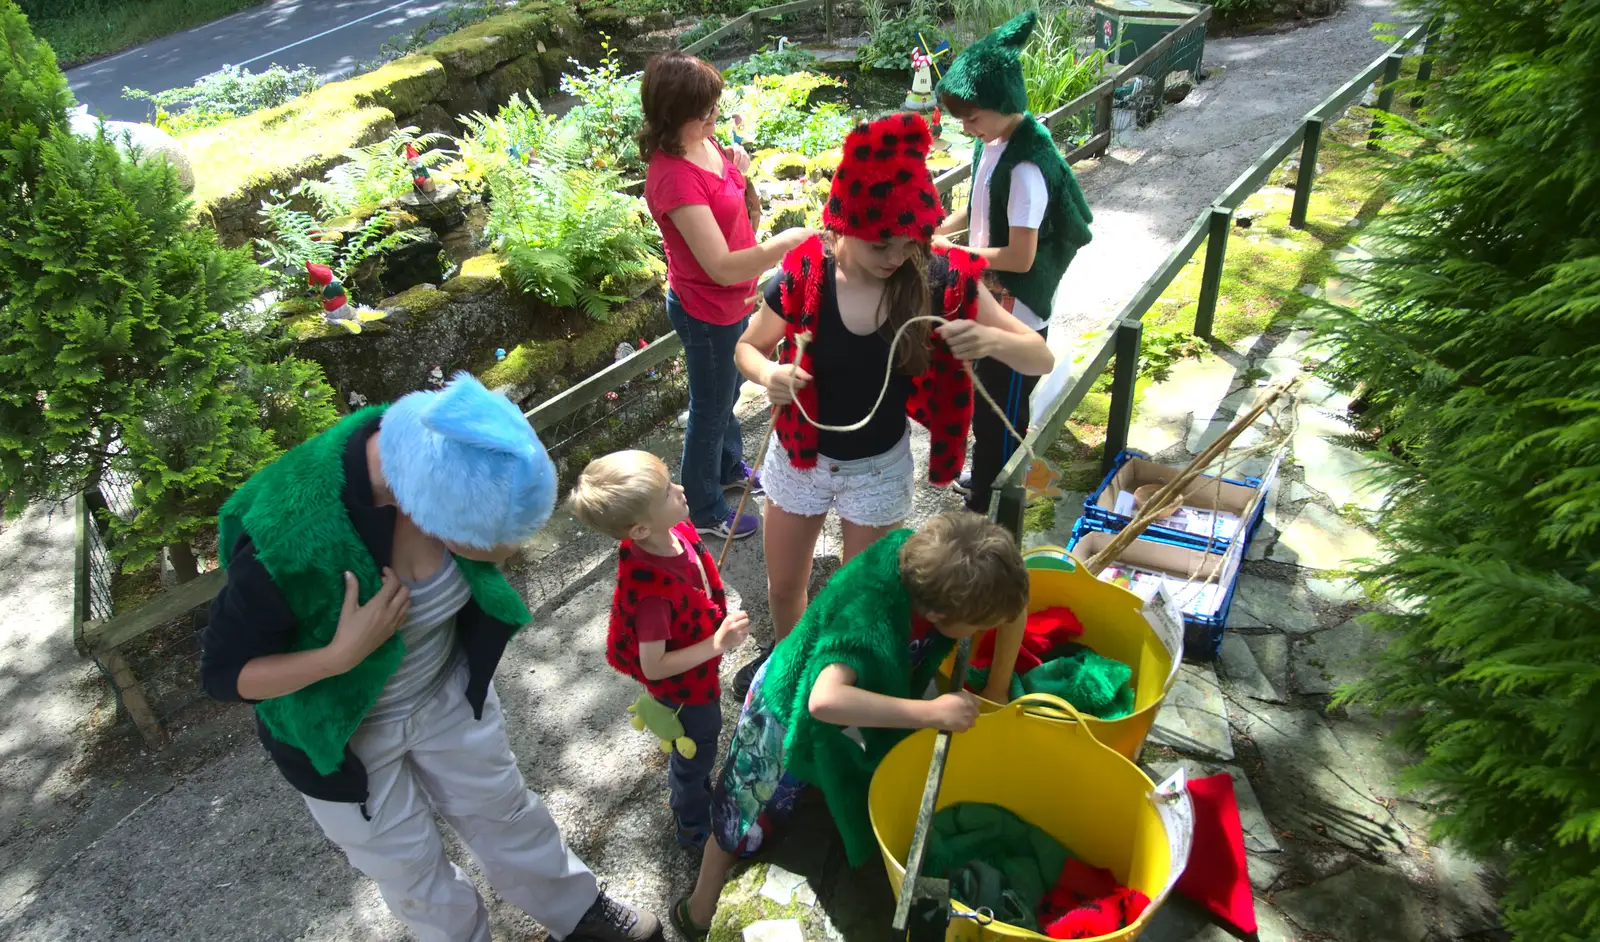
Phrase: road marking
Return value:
(301, 42)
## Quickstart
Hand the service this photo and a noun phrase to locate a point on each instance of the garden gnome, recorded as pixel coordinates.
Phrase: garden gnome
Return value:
(336, 306)
(436, 377)
(357, 401)
(920, 98)
(419, 173)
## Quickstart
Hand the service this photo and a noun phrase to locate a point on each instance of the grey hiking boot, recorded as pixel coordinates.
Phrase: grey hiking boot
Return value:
(611, 921)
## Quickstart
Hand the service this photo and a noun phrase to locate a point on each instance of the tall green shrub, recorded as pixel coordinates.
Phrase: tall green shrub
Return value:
(1479, 348)
(112, 349)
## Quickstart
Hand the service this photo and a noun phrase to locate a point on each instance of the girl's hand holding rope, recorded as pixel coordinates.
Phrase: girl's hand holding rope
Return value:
(784, 382)
(970, 340)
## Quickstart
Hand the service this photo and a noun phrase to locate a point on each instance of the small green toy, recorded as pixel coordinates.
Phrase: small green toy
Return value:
(650, 713)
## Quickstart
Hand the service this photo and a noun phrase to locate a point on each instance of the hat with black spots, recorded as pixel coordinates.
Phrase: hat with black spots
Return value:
(882, 187)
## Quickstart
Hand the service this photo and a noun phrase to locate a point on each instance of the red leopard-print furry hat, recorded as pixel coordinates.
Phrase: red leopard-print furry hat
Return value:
(882, 187)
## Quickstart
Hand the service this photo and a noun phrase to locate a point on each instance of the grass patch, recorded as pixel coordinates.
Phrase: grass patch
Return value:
(1040, 517)
(87, 29)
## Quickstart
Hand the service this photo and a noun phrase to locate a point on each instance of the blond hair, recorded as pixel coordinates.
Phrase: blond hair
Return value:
(616, 492)
(966, 568)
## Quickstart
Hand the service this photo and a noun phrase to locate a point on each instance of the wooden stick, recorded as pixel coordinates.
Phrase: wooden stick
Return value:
(930, 799)
(1171, 495)
(800, 342)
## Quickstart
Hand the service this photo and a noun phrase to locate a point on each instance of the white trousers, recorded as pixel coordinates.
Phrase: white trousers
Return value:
(442, 759)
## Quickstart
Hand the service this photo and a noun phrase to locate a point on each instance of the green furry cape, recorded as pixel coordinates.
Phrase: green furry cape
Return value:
(1065, 228)
(295, 515)
(862, 620)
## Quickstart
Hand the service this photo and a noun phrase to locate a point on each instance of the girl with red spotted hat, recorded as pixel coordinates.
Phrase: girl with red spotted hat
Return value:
(848, 296)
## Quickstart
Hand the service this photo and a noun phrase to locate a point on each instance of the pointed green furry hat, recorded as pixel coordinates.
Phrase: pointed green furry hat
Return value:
(989, 72)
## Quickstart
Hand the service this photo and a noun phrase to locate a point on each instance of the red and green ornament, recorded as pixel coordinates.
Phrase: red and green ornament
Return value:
(327, 288)
(419, 174)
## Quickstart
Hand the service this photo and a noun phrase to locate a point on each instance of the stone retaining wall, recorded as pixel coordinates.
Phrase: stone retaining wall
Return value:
(237, 163)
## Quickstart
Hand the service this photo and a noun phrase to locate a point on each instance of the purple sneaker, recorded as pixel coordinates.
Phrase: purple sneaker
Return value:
(746, 473)
(742, 526)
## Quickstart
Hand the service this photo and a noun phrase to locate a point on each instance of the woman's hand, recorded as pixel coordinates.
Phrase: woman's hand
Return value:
(790, 239)
(783, 382)
(970, 340)
(738, 156)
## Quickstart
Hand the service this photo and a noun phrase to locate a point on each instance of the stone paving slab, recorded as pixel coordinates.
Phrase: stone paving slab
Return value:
(1237, 667)
(1329, 659)
(1259, 602)
(1321, 539)
(1311, 790)
(1271, 652)
(1366, 902)
(1194, 717)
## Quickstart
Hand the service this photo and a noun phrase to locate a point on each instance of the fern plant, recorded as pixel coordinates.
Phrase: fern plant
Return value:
(516, 134)
(569, 236)
(375, 173)
(299, 237)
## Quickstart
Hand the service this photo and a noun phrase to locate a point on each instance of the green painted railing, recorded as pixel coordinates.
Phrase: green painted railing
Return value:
(1211, 227)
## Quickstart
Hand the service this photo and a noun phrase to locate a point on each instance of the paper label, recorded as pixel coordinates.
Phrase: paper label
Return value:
(1166, 620)
(1172, 803)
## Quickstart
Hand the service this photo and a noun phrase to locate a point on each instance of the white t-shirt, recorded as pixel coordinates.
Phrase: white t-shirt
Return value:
(1024, 209)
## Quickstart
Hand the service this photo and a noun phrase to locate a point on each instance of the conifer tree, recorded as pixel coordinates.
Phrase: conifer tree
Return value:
(1479, 351)
(113, 352)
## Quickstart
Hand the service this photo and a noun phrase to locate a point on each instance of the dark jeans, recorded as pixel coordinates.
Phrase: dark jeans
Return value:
(689, 780)
(713, 446)
(992, 445)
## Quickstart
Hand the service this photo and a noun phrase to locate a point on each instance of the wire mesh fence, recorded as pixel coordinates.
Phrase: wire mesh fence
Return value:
(1141, 98)
(615, 420)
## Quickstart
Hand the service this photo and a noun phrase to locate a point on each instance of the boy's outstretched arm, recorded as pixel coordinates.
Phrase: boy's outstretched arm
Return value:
(1007, 642)
(836, 699)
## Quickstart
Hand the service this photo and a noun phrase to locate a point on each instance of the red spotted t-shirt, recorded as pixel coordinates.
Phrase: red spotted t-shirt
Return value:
(671, 182)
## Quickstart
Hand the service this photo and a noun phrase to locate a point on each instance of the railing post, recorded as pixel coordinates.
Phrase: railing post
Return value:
(1391, 75)
(1425, 62)
(827, 19)
(1307, 177)
(1007, 505)
(1211, 278)
(1124, 377)
(1102, 118)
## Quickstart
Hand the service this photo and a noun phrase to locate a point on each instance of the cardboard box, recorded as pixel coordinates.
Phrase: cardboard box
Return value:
(1215, 514)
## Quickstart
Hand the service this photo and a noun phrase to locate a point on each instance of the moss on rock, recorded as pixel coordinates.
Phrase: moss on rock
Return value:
(403, 86)
(468, 53)
(522, 75)
(595, 346)
(527, 365)
(413, 304)
(480, 273)
(784, 166)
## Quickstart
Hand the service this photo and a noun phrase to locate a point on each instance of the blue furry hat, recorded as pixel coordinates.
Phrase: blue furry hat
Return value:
(465, 465)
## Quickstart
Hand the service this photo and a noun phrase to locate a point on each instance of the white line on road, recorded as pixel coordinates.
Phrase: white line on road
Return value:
(301, 42)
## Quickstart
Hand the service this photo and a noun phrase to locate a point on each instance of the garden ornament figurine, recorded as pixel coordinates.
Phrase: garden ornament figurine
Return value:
(436, 377)
(649, 713)
(356, 400)
(920, 98)
(419, 174)
(336, 306)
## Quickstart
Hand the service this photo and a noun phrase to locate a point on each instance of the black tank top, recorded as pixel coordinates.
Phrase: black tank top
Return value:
(848, 368)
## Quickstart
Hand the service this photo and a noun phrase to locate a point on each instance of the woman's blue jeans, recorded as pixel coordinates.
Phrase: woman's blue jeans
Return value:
(713, 446)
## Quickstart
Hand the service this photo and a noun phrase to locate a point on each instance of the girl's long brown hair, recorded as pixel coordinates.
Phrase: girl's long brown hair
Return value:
(906, 295)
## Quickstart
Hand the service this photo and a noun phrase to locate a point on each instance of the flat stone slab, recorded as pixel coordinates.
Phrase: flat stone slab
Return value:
(1365, 902)
(1207, 427)
(1341, 472)
(1336, 591)
(1271, 652)
(1312, 790)
(1365, 739)
(1194, 717)
(1258, 836)
(1194, 387)
(1259, 602)
(1321, 539)
(1237, 667)
(1329, 659)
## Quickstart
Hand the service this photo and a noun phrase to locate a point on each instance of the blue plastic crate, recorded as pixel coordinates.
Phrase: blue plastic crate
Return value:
(1202, 636)
(1237, 495)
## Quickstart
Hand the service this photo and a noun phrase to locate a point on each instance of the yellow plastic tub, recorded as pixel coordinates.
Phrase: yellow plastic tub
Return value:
(1113, 626)
(1033, 759)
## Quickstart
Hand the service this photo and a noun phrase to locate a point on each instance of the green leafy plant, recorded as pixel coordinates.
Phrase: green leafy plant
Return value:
(608, 115)
(773, 113)
(1052, 69)
(569, 236)
(702, 28)
(519, 132)
(1475, 346)
(299, 237)
(770, 62)
(892, 39)
(375, 173)
(1164, 347)
(230, 92)
(115, 357)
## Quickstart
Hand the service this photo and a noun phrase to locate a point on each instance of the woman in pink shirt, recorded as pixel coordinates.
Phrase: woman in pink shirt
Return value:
(695, 191)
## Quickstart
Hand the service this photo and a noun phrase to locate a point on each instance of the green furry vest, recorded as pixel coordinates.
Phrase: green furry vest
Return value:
(294, 512)
(863, 620)
(1066, 219)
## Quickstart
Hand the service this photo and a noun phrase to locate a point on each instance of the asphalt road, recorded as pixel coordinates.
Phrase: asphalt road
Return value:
(328, 35)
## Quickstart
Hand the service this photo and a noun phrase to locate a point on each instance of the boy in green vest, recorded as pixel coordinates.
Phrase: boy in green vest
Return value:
(846, 685)
(1027, 217)
(364, 616)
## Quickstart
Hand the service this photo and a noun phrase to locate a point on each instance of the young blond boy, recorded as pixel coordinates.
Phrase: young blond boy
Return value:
(670, 623)
(860, 658)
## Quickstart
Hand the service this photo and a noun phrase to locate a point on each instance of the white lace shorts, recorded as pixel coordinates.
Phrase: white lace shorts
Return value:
(871, 492)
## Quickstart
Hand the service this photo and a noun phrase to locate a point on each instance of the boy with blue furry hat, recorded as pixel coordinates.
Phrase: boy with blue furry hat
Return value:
(364, 616)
